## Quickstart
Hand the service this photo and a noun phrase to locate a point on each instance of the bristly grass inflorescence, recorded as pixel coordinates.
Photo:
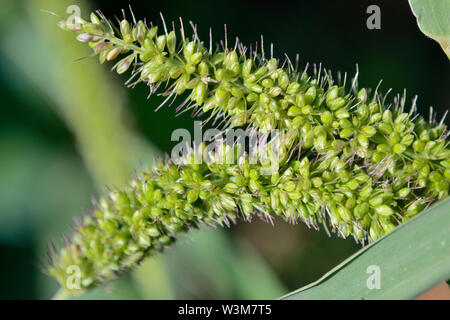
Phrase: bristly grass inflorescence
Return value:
(349, 160)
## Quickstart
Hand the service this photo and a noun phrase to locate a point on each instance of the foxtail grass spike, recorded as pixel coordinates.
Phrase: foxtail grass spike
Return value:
(349, 159)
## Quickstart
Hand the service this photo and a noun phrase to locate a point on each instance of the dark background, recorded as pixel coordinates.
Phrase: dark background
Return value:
(333, 33)
(45, 179)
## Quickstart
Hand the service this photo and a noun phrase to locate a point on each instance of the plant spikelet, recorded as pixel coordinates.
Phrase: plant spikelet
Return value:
(348, 160)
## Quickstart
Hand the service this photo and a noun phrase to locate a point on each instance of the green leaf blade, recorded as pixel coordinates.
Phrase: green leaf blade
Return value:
(412, 259)
(433, 18)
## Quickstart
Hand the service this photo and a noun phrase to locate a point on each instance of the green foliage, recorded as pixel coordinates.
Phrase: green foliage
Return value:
(433, 18)
(410, 260)
(363, 167)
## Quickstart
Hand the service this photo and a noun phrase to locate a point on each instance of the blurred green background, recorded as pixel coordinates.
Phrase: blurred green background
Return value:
(69, 128)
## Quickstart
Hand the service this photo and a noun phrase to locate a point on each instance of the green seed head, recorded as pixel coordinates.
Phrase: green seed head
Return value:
(346, 160)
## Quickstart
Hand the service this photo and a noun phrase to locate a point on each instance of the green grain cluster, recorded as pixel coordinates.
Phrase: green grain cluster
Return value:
(349, 160)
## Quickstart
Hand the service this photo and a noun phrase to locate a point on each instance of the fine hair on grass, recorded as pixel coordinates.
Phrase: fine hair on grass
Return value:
(348, 159)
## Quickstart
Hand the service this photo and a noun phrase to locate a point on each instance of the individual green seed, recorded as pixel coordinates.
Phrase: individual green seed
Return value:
(252, 97)
(375, 232)
(267, 83)
(333, 93)
(94, 18)
(419, 146)
(387, 116)
(363, 141)
(363, 112)
(369, 131)
(93, 29)
(404, 192)
(388, 227)
(231, 58)
(337, 103)
(394, 137)
(275, 91)
(362, 95)
(264, 98)
(307, 110)
(260, 72)
(346, 133)
(188, 50)
(345, 213)
(353, 184)
(399, 148)
(125, 29)
(201, 92)
(192, 195)
(384, 210)
(221, 95)
(384, 148)
(141, 31)
(196, 58)
(375, 118)
(345, 124)
(123, 65)
(293, 88)
(374, 107)
(171, 42)
(247, 68)
(203, 69)
(361, 209)
(326, 118)
(342, 113)
(376, 200)
(152, 32)
(310, 95)
(155, 77)
(255, 88)
(283, 81)
(161, 43)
